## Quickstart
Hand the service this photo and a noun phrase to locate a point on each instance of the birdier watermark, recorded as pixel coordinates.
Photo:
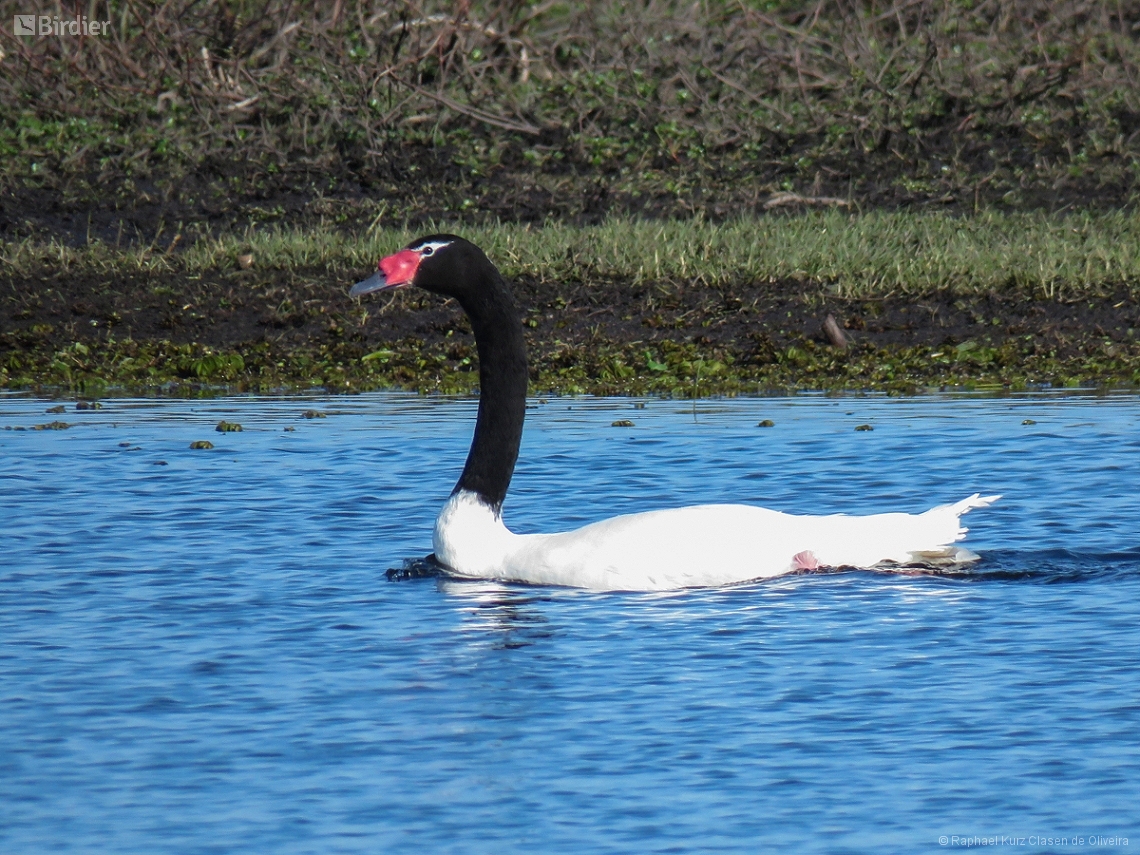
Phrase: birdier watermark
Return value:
(53, 25)
(972, 841)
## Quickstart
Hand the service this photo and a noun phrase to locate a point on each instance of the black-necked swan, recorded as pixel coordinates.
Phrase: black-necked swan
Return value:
(700, 546)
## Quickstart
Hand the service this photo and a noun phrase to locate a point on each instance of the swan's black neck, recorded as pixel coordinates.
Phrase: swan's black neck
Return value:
(502, 385)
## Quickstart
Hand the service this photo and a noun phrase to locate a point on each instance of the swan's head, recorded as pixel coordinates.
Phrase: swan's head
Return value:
(439, 263)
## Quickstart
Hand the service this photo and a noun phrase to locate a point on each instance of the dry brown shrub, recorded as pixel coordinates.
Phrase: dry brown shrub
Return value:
(308, 84)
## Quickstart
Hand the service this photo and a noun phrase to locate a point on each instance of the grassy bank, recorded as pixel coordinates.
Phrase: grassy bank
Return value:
(627, 306)
(855, 256)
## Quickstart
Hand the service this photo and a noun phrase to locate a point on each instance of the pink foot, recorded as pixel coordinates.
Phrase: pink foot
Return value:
(805, 560)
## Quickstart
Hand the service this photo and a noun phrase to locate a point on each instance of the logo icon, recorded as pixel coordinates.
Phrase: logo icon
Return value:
(44, 25)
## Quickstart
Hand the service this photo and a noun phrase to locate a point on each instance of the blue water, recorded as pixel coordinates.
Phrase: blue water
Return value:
(205, 656)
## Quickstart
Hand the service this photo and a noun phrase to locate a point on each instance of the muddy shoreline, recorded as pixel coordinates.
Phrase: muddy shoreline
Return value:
(269, 330)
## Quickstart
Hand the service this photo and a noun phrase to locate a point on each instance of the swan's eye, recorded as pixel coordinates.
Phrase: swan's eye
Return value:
(427, 250)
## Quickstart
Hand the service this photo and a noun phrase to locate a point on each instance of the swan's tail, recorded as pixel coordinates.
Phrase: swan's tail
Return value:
(970, 502)
(958, 509)
(946, 521)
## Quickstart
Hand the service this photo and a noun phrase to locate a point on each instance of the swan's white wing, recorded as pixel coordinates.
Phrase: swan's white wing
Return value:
(700, 546)
(662, 550)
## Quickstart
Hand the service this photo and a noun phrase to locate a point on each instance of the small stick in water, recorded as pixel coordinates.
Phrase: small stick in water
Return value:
(834, 333)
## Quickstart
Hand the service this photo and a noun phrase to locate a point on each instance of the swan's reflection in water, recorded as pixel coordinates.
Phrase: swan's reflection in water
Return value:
(498, 612)
(493, 616)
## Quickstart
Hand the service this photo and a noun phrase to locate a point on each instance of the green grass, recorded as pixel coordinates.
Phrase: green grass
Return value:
(853, 255)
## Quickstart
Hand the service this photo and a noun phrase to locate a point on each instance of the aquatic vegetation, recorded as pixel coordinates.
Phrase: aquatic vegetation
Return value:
(602, 368)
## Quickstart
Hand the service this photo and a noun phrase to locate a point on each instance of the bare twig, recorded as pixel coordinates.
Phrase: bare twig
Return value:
(784, 200)
(834, 333)
(477, 114)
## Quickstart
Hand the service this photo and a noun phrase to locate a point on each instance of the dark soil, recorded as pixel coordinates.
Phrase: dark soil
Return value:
(419, 184)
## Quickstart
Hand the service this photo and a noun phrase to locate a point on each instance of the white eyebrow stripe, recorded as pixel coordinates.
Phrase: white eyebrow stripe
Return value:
(435, 245)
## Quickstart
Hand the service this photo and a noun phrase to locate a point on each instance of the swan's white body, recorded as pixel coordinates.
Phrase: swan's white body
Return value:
(701, 546)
